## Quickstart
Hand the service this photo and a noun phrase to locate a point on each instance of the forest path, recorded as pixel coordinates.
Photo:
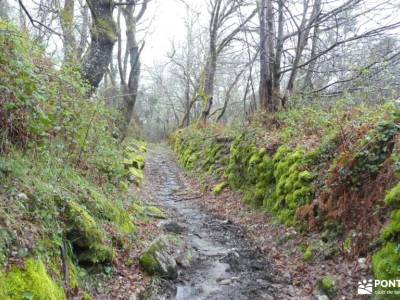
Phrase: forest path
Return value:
(224, 264)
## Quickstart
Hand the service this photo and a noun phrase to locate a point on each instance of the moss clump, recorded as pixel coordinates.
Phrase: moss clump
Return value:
(308, 254)
(33, 282)
(393, 196)
(86, 236)
(293, 184)
(386, 261)
(219, 188)
(103, 208)
(328, 286)
(241, 151)
(154, 212)
(134, 161)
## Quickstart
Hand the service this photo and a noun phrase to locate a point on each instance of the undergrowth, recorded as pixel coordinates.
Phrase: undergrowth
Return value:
(64, 175)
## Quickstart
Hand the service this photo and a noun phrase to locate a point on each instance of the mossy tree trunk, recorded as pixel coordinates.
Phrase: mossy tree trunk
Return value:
(103, 37)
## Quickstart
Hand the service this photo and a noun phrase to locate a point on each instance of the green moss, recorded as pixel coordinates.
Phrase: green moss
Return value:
(105, 209)
(86, 296)
(308, 254)
(123, 222)
(328, 286)
(393, 196)
(134, 160)
(97, 254)
(154, 212)
(87, 235)
(219, 188)
(33, 282)
(386, 262)
(148, 260)
(106, 28)
(280, 184)
(393, 229)
(293, 185)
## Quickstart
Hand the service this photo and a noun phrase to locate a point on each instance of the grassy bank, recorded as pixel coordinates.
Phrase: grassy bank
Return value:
(65, 213)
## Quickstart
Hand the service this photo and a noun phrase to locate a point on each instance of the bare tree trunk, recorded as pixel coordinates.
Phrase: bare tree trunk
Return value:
(303, 34)
(186, 118)
(67, 26)
(219, 15)
(207, 85)
(103, 37)
(278, 54)
(308, 85)
(4, 9)
(228, 95)
(267, 101)
(130, 88)
(84, 32)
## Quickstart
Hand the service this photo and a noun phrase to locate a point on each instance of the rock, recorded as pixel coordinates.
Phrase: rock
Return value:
(22, 197)
(267, 297)
(322, 297)
(163, 255)
(133, 297)
(174, 227)
(327, 286)
(184, 259)
(287, 277)
(225, 281)
(362, 262)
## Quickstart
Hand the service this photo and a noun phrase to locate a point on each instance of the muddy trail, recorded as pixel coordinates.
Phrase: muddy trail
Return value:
(224, 265)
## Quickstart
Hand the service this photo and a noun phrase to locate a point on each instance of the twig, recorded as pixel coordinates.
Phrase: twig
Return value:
(190, 198)
(35, 23)
(65, 263)
(86, 137)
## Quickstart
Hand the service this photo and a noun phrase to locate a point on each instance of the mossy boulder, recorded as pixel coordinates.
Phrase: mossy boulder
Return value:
(160, 258)
(103, 208)
(86, 236)
(31, 282)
